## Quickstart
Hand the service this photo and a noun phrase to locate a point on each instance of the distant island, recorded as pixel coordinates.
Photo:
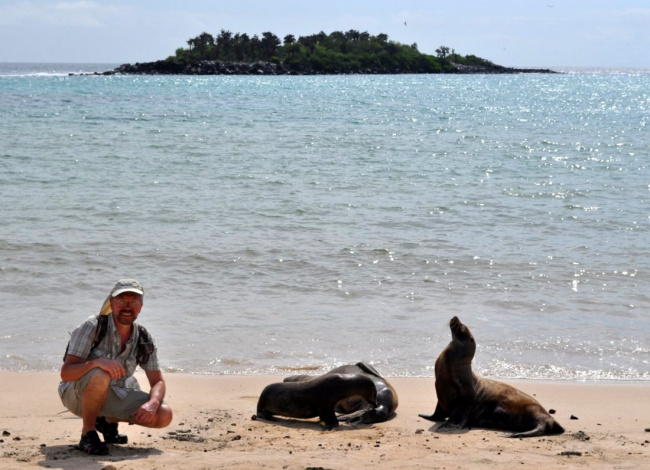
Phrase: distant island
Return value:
(337, 53)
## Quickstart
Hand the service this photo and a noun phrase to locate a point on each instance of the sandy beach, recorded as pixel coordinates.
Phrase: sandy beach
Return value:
(606, 427)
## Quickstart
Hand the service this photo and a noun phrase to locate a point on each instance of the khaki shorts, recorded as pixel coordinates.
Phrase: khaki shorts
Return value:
(114, 406)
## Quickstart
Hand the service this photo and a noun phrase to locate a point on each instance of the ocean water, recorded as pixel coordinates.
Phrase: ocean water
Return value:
(298, 223)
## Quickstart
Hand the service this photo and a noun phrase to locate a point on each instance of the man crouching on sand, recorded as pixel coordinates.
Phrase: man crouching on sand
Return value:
(97, 372)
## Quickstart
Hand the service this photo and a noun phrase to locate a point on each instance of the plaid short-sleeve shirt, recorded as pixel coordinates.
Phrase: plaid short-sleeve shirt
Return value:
(109, 347)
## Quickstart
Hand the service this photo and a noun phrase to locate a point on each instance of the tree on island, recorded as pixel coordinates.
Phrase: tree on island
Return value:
(442, 51)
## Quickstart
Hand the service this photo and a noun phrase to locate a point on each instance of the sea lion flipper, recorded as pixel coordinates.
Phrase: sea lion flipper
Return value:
(461, 416)
(540, 430)
(328, 420)
(543, 428)
(429, 417)
(354, 417)
(438, 415)
(264, 415)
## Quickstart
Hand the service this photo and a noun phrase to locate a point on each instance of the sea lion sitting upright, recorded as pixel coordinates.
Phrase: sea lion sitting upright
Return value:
(468, 400)
(355, 408)
(316, 397)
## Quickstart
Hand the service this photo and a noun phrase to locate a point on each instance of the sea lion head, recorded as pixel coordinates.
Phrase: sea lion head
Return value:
(462, 338)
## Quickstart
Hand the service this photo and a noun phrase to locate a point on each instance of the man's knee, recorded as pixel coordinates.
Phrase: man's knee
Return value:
(164, 416)
(99, 381)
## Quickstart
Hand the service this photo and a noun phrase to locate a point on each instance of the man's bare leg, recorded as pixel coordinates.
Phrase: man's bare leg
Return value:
(93, 398)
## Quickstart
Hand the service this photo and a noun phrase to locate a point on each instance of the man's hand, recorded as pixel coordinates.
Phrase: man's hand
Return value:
(112, 367)
(146, 414)
(76, 367)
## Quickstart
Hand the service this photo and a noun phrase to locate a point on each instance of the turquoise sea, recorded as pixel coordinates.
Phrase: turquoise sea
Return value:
(288, 223)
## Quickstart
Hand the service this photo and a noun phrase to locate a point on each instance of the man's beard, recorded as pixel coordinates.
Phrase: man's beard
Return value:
(126, 320)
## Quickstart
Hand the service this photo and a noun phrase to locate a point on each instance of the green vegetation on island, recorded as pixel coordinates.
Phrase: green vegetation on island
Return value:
(335, 53)
(330, 53)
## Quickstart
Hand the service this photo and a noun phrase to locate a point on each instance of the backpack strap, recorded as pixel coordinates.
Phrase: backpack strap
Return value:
(100, 332)
(145, 346)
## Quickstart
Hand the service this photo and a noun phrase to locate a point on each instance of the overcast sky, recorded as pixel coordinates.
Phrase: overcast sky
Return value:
(515, 33)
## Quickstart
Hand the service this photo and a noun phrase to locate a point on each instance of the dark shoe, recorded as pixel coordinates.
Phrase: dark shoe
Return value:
(91, 444)
(109, 431)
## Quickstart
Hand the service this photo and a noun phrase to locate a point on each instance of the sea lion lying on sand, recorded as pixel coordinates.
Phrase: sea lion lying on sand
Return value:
(468, 400)
(316, 397)
(355, 408)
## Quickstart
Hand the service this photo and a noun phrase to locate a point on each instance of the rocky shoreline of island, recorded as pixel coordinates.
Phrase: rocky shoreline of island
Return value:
(215, 67)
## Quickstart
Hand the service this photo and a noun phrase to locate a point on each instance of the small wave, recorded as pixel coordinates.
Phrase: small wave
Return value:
(298, 368)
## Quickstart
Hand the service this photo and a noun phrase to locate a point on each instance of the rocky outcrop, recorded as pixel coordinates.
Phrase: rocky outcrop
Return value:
(204, 67)
(493, 69)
